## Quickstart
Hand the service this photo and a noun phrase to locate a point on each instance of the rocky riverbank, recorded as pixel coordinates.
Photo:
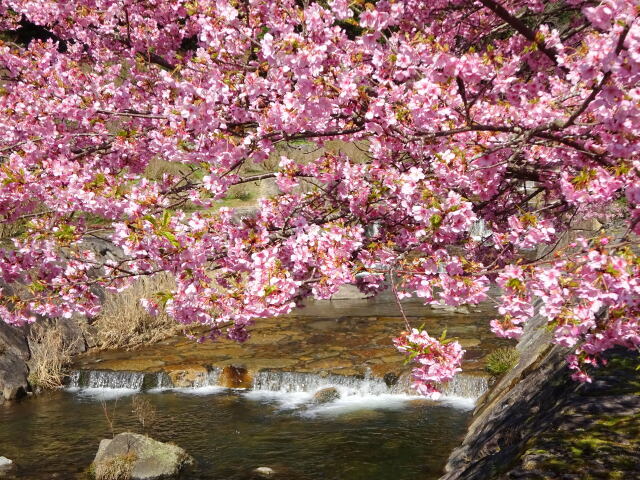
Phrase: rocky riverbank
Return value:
(17, 361)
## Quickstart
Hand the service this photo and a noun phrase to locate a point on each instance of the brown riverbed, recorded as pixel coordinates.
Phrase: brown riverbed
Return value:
(343, 336)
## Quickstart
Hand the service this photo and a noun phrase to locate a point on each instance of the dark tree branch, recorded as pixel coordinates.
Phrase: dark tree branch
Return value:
(521, 28)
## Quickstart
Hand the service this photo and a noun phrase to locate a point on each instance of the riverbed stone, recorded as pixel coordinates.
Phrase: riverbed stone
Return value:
(326, 395)
(5, 465)
(148, 459)
(264, 472)
(188, 377)
(338, 337)
(235, 376)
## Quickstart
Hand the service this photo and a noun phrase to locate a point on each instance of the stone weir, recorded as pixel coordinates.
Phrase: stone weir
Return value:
(346, 337)
(536, 423)
(469, 387)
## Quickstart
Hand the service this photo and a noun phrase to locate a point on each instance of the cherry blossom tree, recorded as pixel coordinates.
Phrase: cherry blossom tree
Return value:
(492, 130)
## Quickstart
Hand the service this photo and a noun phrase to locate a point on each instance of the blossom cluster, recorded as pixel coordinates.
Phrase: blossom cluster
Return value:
(438, 360)
(126, 123)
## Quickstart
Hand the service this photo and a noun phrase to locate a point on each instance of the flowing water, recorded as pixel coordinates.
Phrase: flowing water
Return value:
(372, 432)
(376, 430)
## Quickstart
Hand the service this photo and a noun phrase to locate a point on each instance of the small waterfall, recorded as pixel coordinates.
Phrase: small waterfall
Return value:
(462, 386)
(138, 381)
(466, 386)
(300, 385)
(118, 379)
(293, 382)
(210, 379)
(479, 230)
(106, 379)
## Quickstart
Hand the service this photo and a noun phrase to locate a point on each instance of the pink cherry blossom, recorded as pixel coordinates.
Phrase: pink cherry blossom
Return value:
(486, 144)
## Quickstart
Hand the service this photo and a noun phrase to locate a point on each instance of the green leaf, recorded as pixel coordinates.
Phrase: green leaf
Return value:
(444, 335)
(166, 218)
(65, 232)
(164, 297)
(171, 237)
(435, 221)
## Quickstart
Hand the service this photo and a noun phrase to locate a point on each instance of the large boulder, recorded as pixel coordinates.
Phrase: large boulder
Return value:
(13, 340)
(14, 353)
(138, 457)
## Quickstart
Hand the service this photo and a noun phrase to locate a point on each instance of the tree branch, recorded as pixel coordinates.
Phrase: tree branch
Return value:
(521, 28)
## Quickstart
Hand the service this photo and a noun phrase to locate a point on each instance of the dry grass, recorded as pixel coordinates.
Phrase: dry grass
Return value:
(116, 468)
(10, 229)
(50, 355)
(123, 323)
(144, 412)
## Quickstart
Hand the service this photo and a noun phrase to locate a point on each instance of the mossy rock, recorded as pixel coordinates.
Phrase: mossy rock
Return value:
(131, 456)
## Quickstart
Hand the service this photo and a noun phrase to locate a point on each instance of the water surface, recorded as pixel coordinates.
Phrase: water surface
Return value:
(231, 432)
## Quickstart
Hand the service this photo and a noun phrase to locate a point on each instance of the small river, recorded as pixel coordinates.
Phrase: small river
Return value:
(371, 433)
(231, 432)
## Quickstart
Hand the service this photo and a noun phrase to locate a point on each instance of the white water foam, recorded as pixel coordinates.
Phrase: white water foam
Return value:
(353, 403)
(104, 394)
(288, 390)
(291, 390)
(461, 403)
(204, 390)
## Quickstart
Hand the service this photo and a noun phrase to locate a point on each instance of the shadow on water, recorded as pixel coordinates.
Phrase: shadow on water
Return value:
(232, 432)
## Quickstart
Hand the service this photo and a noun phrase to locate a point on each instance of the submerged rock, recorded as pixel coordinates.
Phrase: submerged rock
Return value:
(264, 472)
(5, 465)
(138, 457)
(326, 395)
(233, 376)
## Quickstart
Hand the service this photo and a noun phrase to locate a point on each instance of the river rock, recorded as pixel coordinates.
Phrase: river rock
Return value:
(233, 376)
(13, 340)
(264, 472)
(326, 395)
(5, 465)
(139, 458)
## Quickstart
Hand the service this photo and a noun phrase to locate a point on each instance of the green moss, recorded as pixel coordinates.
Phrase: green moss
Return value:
(576, 452)
(502, 360)
(591, 446)
(557, 465)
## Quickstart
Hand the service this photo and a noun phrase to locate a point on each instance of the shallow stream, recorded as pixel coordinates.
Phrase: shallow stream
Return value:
(231, 432)
(374, 431)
